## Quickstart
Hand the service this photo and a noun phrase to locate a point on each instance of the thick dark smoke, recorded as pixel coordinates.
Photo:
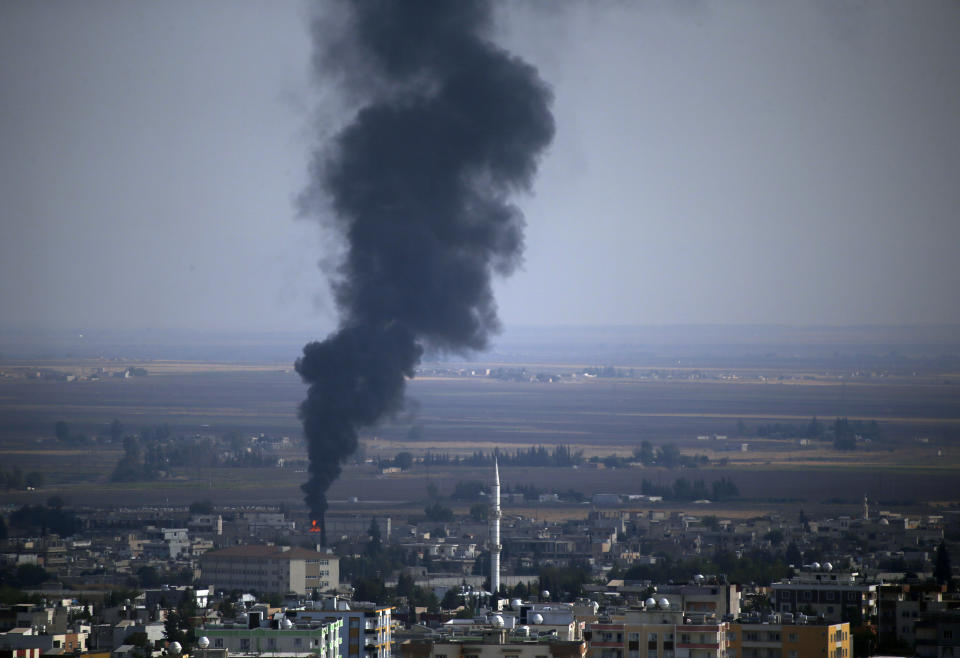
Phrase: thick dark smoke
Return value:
(419, 183)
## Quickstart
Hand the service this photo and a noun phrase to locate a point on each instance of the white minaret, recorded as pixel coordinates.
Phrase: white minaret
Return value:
(495, 530)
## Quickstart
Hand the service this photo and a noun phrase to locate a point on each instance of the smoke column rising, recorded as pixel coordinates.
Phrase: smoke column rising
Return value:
(449, 126)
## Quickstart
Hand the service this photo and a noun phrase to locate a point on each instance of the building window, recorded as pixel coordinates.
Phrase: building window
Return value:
(808, 596)
(651, 637)
(244, 644)
(830, 596)
(793, 637)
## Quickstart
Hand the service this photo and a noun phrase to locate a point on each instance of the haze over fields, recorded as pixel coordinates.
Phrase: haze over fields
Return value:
(741, 162)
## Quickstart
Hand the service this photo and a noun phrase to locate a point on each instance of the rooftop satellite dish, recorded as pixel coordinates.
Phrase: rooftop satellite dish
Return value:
(545, 594)
(536, 619)
(664, 603)
(203, 642)
(175, 648)
(650, 602)
(497, 621)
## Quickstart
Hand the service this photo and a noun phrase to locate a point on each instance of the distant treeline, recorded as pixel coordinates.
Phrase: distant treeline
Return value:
(668, 456)
(43, 519)
(17, 479)
(156, 451)
(684, 489)
(561, 455)
(843, 432)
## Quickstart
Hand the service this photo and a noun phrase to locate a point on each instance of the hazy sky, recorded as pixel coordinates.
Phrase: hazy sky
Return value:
(715, 162)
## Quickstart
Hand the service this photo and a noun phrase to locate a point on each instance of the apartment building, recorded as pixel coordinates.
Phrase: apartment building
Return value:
(367, 632)
(837, 596)
(277, 637)
(279, 569)
(775, 640)
(656, 631)
(493, 643)
(938, 635)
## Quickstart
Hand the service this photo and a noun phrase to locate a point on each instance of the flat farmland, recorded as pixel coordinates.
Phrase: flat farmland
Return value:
(463, 414)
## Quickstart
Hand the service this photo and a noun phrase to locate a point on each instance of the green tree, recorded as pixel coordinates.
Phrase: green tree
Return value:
(143, 648)
(374, 543)
(775, 536)
(438, 513)
(942, 570)
(62, 431)
(405, 585)
(177, 628)
(30, 575)
(149, 577)
(792, 554)
(404, 460)
(844, 437)
(204, 506)
(370, 589)
(479, 512)
(668, 456)
(116, 431)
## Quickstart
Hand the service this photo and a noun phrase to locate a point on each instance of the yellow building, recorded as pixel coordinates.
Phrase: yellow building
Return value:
(759, 640)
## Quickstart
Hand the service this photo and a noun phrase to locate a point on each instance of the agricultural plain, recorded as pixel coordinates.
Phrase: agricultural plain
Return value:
(459, 409)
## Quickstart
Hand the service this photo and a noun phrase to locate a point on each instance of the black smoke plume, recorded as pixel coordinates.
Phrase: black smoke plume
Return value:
(419, 184)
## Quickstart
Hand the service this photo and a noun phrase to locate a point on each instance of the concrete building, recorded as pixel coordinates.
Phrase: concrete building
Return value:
(837, 596)
(938, 635)
(706, 598)
(367, 632)
(277, 637)
(901, 606)
(494, 643)
(657, 631)
(773, 640)
(276, 569)
(28, 638)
